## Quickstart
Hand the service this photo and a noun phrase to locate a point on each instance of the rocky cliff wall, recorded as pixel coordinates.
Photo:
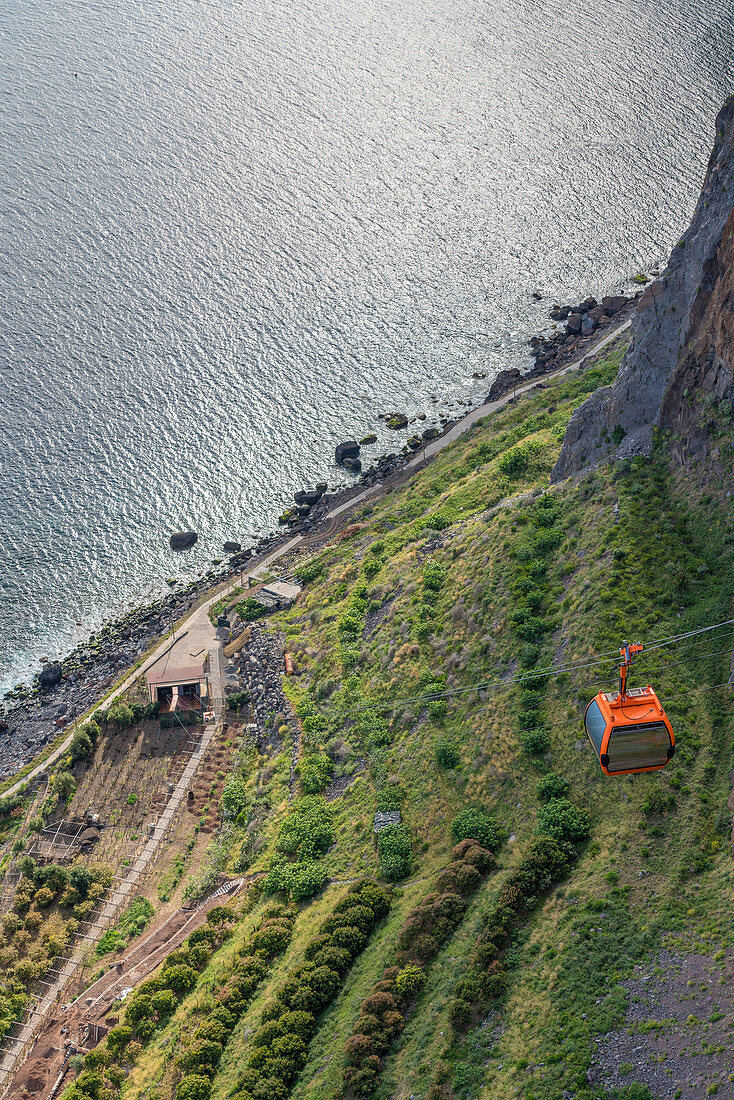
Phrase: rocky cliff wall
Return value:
(682, 346)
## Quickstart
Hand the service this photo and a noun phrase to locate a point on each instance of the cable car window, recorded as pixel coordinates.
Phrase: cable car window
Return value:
(595, 725)
(642, 746)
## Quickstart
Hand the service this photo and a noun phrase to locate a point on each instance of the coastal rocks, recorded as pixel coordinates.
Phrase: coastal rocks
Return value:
(573, 324)
(49, 677)
(368, 440)
(353, 464)
(429, 434)
(348, 450)
(232, 547)
(308, 497)
(396, 421)
(613, 303)
(505, 380)
(183, 540)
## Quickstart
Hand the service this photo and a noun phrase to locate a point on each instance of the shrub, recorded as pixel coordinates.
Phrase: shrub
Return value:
(535, 742)
(237, 700)
(300, 880)
(121, 715)
(476, 825)
(562, 820)
(43, 897)
(249, 609)
(447, 755)
(164, 1003)
(396, 852)
(119, 1037)
(204, 1053)
(180, 978)
(64, 785)
(272, 938)
(357, 1048)
(234, 798)
(552, 786)
(316, 771)
(308, 830)
(468, 851)
(309, 571)
(138, 1008)
(193, 1087)
(468, 879)
(81, 747)
(409, 982)
(434, 574)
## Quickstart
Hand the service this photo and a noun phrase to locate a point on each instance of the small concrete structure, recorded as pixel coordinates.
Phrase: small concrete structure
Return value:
(183, 687)
(278, 594)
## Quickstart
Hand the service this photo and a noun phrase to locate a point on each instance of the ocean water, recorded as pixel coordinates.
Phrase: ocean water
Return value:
(232, 234)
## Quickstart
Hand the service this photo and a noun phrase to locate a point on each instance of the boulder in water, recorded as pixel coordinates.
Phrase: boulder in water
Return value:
(232, 547)
(182, 540)
(49, 677)
(347, 450)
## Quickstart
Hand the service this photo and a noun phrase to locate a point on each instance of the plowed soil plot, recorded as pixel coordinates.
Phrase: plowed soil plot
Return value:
(677, 1037)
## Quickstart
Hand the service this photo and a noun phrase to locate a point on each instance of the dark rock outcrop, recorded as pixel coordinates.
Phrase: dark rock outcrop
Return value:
(504, 381)
(347, 450)
(182, 540)
(50, 677)
(232, 547)
(682, 346)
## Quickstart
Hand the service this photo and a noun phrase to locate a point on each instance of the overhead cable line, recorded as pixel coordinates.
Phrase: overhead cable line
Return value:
(548, 670)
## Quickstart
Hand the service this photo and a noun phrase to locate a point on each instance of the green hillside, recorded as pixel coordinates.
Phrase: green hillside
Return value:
(432, 644)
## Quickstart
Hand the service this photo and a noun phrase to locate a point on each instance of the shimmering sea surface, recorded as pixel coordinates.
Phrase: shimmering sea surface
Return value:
(232, 234)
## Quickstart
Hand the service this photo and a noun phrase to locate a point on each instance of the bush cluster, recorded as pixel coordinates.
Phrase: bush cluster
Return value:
(426, 928)
(485, 977)
(134, 920)
(373, 730)
(155, 1000)
(350, 626)
(520, 459)
(396, 852)
(552, 786)
(309, 571)
(561, 820)
(316, 771)
(280, 1044)
(237, 700)
(447, 754)
(530, 620)
(250, 609)
(305, 836)
(473, 824)
(84, 741)
(434, 574)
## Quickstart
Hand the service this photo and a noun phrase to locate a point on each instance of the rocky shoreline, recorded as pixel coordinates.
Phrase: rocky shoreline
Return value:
(35, 715)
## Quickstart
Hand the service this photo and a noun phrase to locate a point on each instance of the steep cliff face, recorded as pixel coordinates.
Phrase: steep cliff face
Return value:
(682, 350)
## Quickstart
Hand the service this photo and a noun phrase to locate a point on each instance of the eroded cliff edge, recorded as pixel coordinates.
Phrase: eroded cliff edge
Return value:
(682, 350)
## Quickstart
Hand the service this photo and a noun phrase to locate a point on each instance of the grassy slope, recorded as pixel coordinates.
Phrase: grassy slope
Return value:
(657, 565)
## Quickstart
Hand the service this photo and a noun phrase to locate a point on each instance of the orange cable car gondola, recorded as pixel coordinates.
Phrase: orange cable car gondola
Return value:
(629, 730)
